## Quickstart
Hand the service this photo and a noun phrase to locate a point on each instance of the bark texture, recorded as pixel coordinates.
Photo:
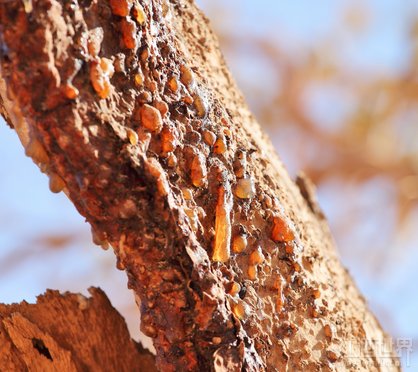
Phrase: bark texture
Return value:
(129, 108)
(68, 332)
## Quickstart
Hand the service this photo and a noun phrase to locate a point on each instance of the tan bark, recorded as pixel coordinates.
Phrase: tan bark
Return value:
(68, 332)
(130, 109)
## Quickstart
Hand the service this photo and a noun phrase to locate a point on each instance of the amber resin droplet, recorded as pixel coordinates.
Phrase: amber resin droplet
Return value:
(121, 7)
(209, 137)
(216, 340)
(107, 66)
(99, 238)
(328, 331)
(186, 75)
(172, 160)
(129, 30)
(235, 289)
(192, 218)
(162, 107)
(28, 6)
(37, 152)
(94, 41)
(132, 136)
(252, 272)
(245, 188)
(240, 164)
(139, 14)
(173, 84)
(281, 231)
(239, 244)
(139, 80)
(240, 310)
(56, 183)
(316, 293)
(100, 75)
(151, 118)
(187, 193)
(200, 106)
(296, 267)
(70, 91)
(188, 99)
(314, 312)
(256, 257)
(227, 132)
(220, 145)
(332, 356)
(168, 140)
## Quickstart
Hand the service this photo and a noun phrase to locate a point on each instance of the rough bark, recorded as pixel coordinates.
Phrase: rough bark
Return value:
(233, 264)
(68, 332)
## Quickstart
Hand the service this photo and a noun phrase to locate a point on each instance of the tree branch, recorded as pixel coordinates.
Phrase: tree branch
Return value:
(130, 109)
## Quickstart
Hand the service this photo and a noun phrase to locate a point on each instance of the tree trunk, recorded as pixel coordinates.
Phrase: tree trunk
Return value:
(129, 108)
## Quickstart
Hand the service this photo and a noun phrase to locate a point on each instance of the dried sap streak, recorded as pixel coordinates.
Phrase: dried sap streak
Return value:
(198, 173)
(221, 247)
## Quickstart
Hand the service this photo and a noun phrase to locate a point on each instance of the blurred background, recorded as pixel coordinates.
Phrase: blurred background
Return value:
(335, 84)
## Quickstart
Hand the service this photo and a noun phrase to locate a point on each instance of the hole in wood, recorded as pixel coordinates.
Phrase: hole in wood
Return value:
(39, 345)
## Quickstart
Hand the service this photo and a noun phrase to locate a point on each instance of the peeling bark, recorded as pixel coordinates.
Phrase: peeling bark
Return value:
(131, 106)
(68, 332)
